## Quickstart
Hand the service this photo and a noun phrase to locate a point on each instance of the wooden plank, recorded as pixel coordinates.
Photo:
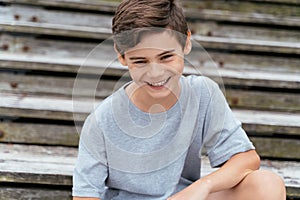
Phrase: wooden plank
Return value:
(248, 77)
(245, 7)
(55, 47)
(262, 100)
(37, 164)
(243, 12)
(12, 193)
(41, 21)
(269, 123)
(263, 19)
(251, 62)
(48, 103)
(295, 2)
(228, 76)
(236, 44)
(68, 54)
(30, 133)
(65, 105)
(219, 29)
(16, 112)
(38, 15)
(109, 6)
(215, 60)
(57, 64)
(34, 133)
(47, 86)
(292, 193)
(56, 30)
(46, 23)
(277, 148)
(261, 123)
(68, 136)
(24, 193)
(29, 160)
(52, 85)
(100, 31)
(94, 5)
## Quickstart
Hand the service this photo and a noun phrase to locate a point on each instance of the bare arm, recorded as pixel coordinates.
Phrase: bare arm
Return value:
(85, 198)
(228, 176)
(233, 171)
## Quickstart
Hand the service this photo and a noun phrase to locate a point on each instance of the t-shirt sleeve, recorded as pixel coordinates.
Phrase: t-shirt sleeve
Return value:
(90, 170)
(223, 134)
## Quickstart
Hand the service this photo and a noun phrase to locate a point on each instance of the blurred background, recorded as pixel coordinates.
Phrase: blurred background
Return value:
(254, 45)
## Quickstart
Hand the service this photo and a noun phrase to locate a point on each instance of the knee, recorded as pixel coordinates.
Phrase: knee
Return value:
(267, 185)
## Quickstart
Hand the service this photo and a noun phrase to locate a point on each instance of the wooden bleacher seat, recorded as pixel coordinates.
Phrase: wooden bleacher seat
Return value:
(255, 46)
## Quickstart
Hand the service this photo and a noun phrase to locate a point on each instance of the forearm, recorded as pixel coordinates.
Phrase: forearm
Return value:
(231, 173)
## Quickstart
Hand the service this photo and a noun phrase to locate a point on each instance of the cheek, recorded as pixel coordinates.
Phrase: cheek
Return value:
(137, 73)
(178, 66)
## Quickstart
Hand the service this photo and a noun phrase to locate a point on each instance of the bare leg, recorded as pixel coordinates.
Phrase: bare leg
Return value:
(259, 185)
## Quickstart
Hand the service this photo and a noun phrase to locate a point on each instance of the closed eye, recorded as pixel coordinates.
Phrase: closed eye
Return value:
(166, 57)
(140, 62)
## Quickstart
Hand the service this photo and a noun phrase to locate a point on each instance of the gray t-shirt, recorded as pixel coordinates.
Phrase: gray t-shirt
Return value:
(125, 153)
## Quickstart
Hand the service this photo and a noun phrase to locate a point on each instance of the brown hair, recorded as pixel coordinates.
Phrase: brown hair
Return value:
(135, 17)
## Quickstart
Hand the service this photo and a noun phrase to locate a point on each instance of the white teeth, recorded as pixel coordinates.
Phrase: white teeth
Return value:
(159, 83)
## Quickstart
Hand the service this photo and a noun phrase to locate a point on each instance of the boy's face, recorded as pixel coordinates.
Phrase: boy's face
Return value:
(156, 63)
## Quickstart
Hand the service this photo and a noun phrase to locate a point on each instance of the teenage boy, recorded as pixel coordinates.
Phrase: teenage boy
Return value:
(144, 142)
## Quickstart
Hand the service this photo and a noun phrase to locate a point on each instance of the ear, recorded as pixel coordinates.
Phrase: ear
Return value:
(188, 44)
(121, 58)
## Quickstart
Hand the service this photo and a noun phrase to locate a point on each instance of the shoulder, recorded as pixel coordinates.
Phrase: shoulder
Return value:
(201, 81)
(202, 85)
(110, 106)
(103, 107)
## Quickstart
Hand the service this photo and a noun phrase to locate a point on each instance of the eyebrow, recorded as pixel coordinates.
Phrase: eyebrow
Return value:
(137, 58)
(159, 55)
(165, 52)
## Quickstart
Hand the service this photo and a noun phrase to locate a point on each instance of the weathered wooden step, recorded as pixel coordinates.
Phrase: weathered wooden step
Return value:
(34, 48)
(45, 107)
(275, 12)
(236, 44)
(296, 2)
(93, 5)
(51, 85)
(246, 78)
(39, 113)
(54, 166)
(109, 5)
(38, 133)
(49, 107)
(98, 27)
(37, 164)
(46, 19)
(244, 12)
(269, 123)
(224, 30)
(25, 192)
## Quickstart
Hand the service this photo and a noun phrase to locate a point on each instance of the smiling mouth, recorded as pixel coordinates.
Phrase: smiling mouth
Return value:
(159, 84)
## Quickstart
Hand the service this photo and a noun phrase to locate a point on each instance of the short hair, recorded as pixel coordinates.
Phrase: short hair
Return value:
(135, 17)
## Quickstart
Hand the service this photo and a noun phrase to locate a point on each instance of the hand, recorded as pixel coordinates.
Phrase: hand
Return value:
(195, 191)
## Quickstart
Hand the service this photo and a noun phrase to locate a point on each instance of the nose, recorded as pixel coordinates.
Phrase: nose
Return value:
(155, 70)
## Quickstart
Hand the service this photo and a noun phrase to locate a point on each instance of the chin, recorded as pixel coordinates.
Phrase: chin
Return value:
(160, 93)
